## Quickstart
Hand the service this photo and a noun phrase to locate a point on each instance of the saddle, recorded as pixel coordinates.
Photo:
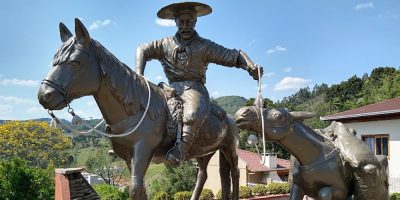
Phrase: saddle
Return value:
(175, 111)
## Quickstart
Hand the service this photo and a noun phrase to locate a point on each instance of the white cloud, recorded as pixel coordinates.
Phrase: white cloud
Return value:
(159, 77)
(215, 94)
(276, 49)
(264, 86)
(269, 74)
(165, 22)
(288, 69)
(4, 110)
(19, 82)
(364, 6)
(91, 103)
(35, 109)
(289, 83)
(99, 23)
(17, 100)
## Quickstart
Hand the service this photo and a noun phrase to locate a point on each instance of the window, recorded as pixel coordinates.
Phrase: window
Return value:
(379, 144)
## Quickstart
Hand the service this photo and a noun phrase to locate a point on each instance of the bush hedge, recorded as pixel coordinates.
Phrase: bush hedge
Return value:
(245, 192)
(278, 188)
(161, 195)
(206, 194)
(395, 196)
(109, 192)
(259, 190)
(185, 195)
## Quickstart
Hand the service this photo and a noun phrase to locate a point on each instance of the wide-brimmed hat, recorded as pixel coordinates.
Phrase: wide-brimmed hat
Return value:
(171, 11)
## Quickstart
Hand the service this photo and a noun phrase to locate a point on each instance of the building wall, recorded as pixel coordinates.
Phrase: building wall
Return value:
(391, 127)
(214, 181)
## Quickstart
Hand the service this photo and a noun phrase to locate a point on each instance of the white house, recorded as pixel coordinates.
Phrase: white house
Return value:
(252, 170)
(378, 125)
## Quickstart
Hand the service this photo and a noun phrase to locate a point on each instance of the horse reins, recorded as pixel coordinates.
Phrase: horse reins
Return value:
(74, 116)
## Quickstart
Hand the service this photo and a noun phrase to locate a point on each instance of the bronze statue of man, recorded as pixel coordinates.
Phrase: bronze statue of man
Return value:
(185, 57)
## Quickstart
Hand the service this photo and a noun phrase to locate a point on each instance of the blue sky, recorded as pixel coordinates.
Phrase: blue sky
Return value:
(298, 43)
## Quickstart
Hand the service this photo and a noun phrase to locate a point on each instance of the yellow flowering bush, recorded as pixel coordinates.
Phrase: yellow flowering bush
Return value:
(34, 142)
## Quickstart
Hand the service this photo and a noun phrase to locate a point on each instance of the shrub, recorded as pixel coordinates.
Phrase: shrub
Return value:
(219, 194)
(259, 190)
(20, 181)
(278, 188)
(206, 194)
(161, 195)
(185, 195)
(244, 192)
(395, 196)
(109, 192)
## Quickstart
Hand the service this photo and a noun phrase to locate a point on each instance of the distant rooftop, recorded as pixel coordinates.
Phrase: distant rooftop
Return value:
(389, 107)
(253, 162)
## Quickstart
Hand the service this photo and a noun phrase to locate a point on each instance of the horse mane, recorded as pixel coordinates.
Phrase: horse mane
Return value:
(128, 87)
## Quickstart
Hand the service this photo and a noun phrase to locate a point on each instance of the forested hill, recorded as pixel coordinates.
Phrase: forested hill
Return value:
(231, 103)
(381, 84)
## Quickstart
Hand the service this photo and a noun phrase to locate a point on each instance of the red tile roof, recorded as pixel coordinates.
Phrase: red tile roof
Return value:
(254, 164)
(388, 107)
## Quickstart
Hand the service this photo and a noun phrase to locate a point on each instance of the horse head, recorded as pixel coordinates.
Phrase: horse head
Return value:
(75, 72)
(278, 122)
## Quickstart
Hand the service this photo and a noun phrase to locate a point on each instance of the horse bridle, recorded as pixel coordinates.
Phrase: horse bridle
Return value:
(59, 87)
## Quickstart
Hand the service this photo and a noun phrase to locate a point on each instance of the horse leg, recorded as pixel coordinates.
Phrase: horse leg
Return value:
(142, 154)
(296, 192)
(325, 193)
(224, 170)
(201, 175)
(232, 158)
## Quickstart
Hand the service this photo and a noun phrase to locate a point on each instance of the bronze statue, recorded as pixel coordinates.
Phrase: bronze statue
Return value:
(82, 67)
(332, 163)
(185, 57)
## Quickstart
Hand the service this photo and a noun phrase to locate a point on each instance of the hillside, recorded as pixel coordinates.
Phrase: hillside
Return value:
(231, 103)
(382, 83)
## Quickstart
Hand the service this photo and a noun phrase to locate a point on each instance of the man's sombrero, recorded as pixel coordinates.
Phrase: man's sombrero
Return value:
(171, 11)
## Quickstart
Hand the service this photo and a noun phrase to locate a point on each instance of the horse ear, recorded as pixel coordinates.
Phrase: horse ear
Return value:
(82, 35)
(65, 34)
(300, 115)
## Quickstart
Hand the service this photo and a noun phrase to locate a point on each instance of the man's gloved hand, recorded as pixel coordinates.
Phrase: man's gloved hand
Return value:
(253, 71)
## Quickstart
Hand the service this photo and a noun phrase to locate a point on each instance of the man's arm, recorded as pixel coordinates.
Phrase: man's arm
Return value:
(246, 63)
(231, 57)
(146, 52)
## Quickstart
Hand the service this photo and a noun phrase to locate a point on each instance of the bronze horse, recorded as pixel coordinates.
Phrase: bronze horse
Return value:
(332, 164)
(82, 67)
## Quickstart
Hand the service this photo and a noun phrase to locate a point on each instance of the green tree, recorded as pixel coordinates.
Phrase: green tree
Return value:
(268, 103)
(35, 142)
(20, 181)
(174, 178)
(109, 168)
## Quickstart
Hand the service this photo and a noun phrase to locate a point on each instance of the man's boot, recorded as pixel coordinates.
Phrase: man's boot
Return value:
(180, 150)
